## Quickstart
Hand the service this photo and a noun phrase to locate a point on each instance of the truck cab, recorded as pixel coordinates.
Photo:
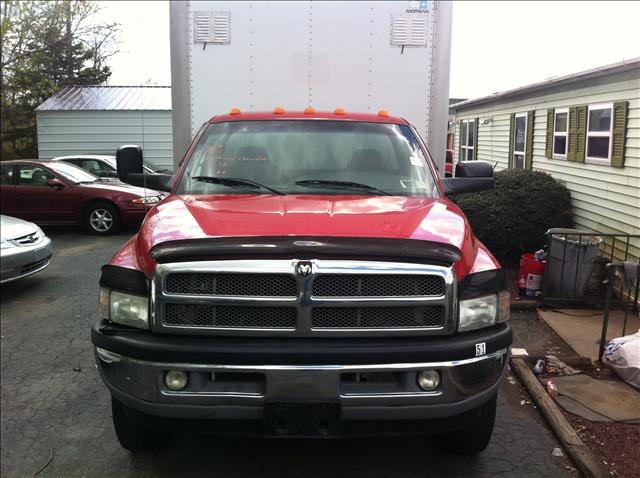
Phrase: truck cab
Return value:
(306, 277)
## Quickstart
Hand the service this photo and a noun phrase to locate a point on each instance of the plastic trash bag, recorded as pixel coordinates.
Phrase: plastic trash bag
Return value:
(622, 355)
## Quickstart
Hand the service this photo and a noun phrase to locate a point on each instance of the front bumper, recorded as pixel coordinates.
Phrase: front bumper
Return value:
(22, 261)
(239, 385)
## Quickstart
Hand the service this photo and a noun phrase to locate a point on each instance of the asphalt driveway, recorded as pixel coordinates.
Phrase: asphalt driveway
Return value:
(53, 399)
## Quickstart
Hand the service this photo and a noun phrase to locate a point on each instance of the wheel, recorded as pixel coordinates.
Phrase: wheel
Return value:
(102, 219)
(132, 436)
(475, 437)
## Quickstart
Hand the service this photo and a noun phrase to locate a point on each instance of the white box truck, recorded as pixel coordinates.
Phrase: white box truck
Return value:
(361, 56)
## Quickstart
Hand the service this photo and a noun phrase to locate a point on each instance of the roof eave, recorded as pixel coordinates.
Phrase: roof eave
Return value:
(621, 66)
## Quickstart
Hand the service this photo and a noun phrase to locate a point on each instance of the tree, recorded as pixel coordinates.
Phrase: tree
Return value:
(46, 45)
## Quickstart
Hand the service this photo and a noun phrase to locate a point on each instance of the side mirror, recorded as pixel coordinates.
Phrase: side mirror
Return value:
(55, 183)
(128, 160)
(159, 182)
(471, 177)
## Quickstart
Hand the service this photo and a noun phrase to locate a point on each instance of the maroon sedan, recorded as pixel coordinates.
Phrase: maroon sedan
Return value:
(53, 192)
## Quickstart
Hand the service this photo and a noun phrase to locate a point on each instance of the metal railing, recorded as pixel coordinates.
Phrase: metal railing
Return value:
(571, 256)
(626, 295)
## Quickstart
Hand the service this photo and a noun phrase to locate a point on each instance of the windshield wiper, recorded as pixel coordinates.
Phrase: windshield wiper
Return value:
(340, 184)
(234, 182)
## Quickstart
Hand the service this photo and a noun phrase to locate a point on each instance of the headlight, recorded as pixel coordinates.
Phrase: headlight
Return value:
(483, 311)
(123, 308)
(6, 244)
(146, 200)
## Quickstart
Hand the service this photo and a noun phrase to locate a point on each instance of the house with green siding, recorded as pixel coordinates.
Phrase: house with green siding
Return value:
(583, 129)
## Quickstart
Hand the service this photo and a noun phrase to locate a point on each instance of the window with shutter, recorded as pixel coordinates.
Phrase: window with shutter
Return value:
(559, 133)
(598, 121)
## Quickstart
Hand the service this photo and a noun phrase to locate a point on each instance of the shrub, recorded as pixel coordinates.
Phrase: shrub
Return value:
(513, 217)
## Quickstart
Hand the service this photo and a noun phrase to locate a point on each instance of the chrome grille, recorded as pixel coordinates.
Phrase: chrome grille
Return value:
(210, 283)
(378, 285)
(396, 317)
(234, 317)
(29, 239)
(287, 297)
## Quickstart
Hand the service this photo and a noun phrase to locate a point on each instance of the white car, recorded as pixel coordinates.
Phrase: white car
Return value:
(104, 166)
(25, 249)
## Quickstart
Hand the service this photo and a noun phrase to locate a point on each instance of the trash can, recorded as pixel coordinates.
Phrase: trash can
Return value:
(569, 262)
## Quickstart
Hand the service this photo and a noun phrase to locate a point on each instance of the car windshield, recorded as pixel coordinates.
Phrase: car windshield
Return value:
(71, 172)
(308, 157)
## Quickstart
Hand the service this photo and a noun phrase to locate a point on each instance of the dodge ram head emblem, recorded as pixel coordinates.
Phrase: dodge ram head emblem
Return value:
(303, 269)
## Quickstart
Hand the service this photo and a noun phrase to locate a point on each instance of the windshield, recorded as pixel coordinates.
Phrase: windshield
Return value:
(71, 172)
(309, 157)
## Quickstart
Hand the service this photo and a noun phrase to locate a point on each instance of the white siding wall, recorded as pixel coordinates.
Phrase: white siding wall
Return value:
(605, 198)
(62, 133)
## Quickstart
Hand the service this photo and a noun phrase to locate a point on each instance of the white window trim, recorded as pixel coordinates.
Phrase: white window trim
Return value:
(599, 134)
(465, 146)
(555, 155)
(524, 151)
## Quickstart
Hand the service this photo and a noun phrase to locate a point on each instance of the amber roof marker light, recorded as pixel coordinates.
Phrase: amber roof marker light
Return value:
(278, 110)
(309, 110)
(339, 111)
(383, 113)
(235, 111)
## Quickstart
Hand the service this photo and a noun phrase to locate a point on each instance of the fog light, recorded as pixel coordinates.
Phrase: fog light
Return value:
(176, 380)
(428, 380)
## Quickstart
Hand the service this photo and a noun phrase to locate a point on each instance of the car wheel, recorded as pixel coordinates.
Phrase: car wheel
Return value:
(102, 218)
(475, 437)
(132, 436)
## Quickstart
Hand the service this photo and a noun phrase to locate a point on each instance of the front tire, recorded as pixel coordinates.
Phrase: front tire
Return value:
(132, 436)
(102, 219)
(475, 437)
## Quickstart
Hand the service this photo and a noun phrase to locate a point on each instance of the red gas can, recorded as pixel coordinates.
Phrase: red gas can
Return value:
(531, 272)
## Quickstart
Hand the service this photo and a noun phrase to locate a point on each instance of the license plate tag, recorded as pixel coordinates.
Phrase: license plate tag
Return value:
(302, 420)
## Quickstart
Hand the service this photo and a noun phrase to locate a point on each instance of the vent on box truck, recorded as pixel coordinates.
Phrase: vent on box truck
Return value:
(409, 30)
(212, 27)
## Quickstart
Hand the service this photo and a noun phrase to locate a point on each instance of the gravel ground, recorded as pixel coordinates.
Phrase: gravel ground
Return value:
(53, 399)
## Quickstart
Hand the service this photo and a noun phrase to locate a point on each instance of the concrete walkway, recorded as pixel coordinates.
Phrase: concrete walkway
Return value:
(581, 328)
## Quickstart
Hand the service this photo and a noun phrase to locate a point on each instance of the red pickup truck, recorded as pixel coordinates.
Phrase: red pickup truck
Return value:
(306, 277)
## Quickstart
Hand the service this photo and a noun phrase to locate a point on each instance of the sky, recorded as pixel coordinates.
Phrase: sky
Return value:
(495, 45)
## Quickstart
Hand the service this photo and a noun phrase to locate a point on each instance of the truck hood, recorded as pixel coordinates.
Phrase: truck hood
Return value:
(251, 215)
